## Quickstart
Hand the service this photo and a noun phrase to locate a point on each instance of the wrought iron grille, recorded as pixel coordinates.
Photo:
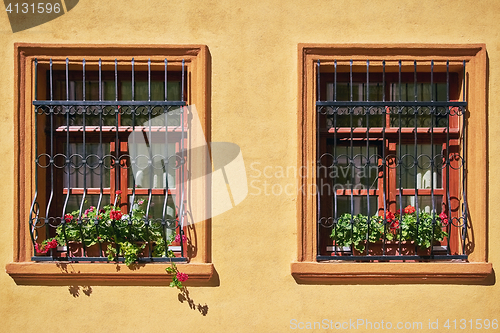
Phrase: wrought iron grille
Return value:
(109, 160)
(391, 168)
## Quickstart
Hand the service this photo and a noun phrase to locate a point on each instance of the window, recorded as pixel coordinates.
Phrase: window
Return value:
(384, 129)
(390, 143)
(108, 126)
(109, 140)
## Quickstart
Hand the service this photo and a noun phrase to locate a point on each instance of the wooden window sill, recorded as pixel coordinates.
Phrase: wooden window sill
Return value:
(60, 273)
(381, 273)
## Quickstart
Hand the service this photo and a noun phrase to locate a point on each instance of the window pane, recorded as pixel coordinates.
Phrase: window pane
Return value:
(157, 94)
(421, 116)
(419, 164)
(158, 207)
(75, 201)
(161, 173)
(360, 205)
(359, 114)
(359, 92)
(353, 170)
(424, 203)
(91, 172)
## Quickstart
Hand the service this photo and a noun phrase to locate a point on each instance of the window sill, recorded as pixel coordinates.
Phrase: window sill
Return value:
(382, 273)
(52, 273)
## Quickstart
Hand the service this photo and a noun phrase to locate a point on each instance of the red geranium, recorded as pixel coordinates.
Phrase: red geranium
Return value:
(409, 209)
(115, 215)
(68, 218)
(44, 248)
(390, 216)
(394, 227)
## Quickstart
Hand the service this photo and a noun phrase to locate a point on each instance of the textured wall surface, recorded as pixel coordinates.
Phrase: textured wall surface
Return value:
(253, 46)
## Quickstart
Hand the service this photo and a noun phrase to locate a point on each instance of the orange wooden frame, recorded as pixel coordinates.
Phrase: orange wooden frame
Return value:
(305, 269)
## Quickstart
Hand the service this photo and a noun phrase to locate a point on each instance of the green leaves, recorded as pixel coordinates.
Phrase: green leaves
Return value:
(355, 230)
(127, 235)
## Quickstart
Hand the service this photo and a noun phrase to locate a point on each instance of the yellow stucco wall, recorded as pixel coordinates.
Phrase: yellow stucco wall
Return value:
(253, 46)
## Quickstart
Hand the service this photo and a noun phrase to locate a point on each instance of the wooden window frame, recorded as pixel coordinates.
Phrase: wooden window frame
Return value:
(306, 269)
(22, 269)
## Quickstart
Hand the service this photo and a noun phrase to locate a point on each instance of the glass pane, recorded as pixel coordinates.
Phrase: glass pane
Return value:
(418, 116)
(161, 172)
(360, 205)
(359, 114)
(352, 170)
(157, 94)
(406, 92)
(92, 171)
(416, 169)
(424, 203)
(158, 207)
(359, 91)
(75, 201)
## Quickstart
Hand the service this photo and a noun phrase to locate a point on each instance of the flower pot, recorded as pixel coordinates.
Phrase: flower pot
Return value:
(76, 249)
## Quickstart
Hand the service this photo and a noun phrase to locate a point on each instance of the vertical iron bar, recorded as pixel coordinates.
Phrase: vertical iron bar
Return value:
(464, 152)
(351, 157)
(33, 231)
(384, 164)
(51, 112)
(166, 167)
(117, 139)
(150, 162)
(368, 110)
(84, 164)
(181, 185)
(335, 158)
(433, 110)
(318, 155)
(400, 162)
(132, 143)
(415, 156)
(68, 165)
(100, 154)
(448, 110)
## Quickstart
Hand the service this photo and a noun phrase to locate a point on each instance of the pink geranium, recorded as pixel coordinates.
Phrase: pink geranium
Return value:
(178, 238)
(443, 217)
(182, 276)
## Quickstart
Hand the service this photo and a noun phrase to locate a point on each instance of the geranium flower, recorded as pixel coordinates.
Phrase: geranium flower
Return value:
(409, 209)
(389, 216)
(68, 218)
(178, 238)
(182, 277)
(394, 227)
(40, 250)
(52, 244)
(44, 248)
(118, 192)
(443, 217)
(90, 210)
(115, 215)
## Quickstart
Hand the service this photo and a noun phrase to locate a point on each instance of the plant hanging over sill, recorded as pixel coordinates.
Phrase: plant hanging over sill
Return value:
(117, 234)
